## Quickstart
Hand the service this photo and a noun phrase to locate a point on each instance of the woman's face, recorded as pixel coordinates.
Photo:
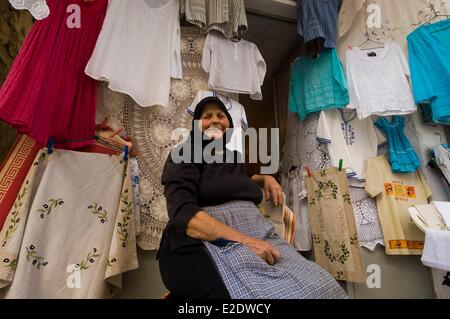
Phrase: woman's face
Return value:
(213, 121)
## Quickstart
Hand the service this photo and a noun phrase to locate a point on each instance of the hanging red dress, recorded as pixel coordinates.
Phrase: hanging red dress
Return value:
(46, 93)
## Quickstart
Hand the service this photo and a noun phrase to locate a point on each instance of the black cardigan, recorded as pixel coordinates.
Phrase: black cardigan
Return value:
(189, 186)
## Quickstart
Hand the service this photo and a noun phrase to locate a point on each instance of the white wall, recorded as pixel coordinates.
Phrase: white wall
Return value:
(401, 277)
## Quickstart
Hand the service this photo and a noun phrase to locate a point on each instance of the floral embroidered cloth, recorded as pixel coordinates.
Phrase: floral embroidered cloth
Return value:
(336, 247)
(70, 232)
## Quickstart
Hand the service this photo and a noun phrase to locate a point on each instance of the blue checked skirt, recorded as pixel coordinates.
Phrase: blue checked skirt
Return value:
(248, 276)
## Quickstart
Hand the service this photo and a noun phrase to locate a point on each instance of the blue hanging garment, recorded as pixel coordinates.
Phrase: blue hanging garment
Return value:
(402, 157)
(429, 47)
(317, 84)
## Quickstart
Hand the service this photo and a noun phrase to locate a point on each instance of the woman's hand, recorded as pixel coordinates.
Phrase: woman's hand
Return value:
(263, 249)
(271, 187)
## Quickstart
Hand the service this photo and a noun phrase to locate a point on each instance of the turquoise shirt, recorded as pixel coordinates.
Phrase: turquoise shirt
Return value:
(429, 61)
(317, 84)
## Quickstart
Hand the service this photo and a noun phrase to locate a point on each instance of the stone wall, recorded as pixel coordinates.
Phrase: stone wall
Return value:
(14, 26)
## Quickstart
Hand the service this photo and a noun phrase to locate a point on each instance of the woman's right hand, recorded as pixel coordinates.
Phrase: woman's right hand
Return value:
(263, 249)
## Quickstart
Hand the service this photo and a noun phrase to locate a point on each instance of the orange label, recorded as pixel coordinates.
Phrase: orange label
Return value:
(405, 244)
(389, 189)
(410, 191)
(399, 190)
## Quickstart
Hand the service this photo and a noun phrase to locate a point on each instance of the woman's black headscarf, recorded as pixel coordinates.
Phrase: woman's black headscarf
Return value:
(201, 106)
(226, 137)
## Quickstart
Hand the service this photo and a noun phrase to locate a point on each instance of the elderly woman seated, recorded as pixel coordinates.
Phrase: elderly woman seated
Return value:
(217, 244)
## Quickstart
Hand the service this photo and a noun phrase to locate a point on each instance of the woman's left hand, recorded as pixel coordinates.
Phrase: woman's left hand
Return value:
(271, 187)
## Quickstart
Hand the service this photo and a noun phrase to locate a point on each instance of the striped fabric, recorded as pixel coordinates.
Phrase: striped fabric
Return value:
(248, 276)
(318, 19)
(225, 16)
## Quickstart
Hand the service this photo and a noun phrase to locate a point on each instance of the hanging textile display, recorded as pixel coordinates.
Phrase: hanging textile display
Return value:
(317, 84)
(378, 81)
(349, 139)
(38, 8)
(245, 66)
(21, 157)
(291, 182)
(366, 217)
(402, 157)
(301, 148)
(318, 19)
(430, 220)
(430, 68)
(227, 17)
(334, 232)
(436, 252)
(397, 20)
(46, 94)
(60, 236)
(135, 62)
(395, 193)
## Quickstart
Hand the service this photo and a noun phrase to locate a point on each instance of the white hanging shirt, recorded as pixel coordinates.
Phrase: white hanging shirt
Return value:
(236, 111)
(351, 139)
(379, 84)
(236, 67)
(138, 49)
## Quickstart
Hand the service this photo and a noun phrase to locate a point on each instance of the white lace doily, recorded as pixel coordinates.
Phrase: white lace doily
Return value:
(366, 218)
(38, 8)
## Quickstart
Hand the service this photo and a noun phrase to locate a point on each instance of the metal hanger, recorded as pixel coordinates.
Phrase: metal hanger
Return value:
(373, 41)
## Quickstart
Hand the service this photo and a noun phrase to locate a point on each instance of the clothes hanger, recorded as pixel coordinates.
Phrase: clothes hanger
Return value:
(222, 97)
(348, 115)
(369, 40)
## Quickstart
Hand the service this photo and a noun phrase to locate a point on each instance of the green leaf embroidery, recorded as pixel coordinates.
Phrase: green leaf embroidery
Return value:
(318, 192)
(126, 209)
(14, 220)
(101, 213)
(354, 240)
(109, 263)
(341, 256)
(35, 258)
(340, 275)
(10, 263)
(50, 206)
(316, 239)
(89, 259)
(323, 186)
(347, 198)
(40, 159)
